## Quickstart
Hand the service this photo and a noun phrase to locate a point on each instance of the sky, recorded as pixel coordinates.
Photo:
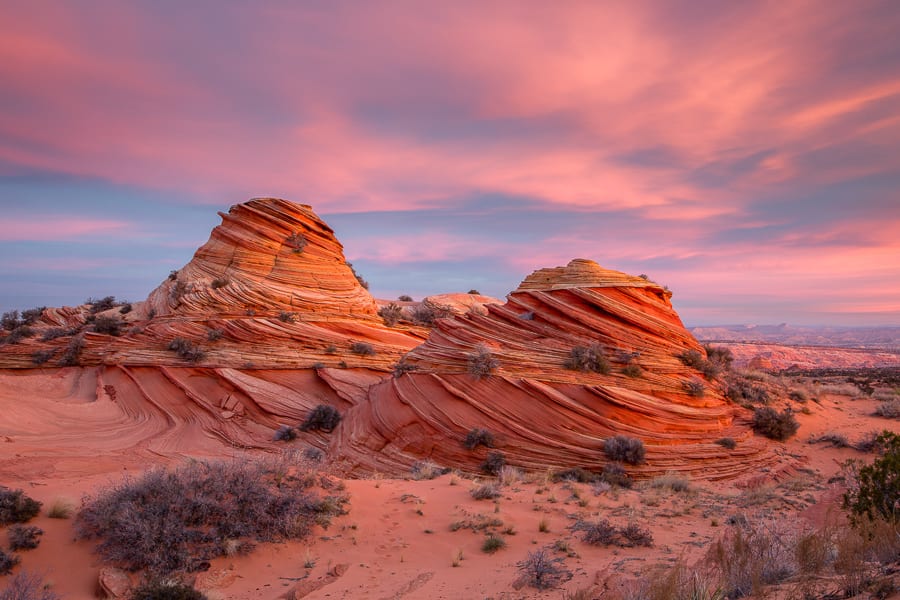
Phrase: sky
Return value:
(746, 154)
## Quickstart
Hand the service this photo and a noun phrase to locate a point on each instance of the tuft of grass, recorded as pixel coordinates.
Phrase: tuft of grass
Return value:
(671, 481)
(544, 526)
(492, 543)
(426, 469)
(61, 509)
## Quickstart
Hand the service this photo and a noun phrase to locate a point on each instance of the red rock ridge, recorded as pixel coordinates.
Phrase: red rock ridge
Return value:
(544, 415)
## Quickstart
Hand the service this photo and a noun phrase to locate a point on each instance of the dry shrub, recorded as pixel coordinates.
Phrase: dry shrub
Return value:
(493, 464)
(391, 314)
(61, 509)
(16, 507)
(510, 475)
(743, 391)
(186, 350)
(727, 443)
(165, 589)
(24, 537)
(426, 469)
(323, 417)
(773, 424)
(7, 562)
(543, 571)
(167, 521)
(482, 363)
(485, 491)
(889, 409)
(752, 554)
(695, 387)
(603, 533)
(478, 437)
(27, 586)
(671, 481)
(675, 582)
(588, 359)
(362, 349)
(622, 448)
(492, 543)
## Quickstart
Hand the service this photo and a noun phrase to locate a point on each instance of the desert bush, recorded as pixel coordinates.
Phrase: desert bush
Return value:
(493, 463)
(867, 442)
(426, 469)
(359, 278)
(167, 521)
(671, 481)
(72, 354)
(874, 491)
(219, 282)
(632, 370)
(694, 359)
(623, 448)
(510, 475)
(844, 389)
(485, 491)
(16, 507)
(101, 304)
(10, 320)
(323, 417)
(126, 308)
(614, 474)
(186, 350)
(285, 433)
(164, 589)
(695, 387)
(390, 314)
(492, 543)
(799, 395)
(838, 440)
(478, 437)
(889, 409)
(885, 395)
(720, 356)
(33, 315)
(27, 586)
(405, 298)
(40, 357)
(362, 348)
(108, 325)
(7, 562)
(481, 362)
(426, 314)
(727, 442)
(178, 291)
(602, 533)
(57, 332)
(773, 424)
(542, 570)
(287, 317)
(576, 474)
(742, 391)
(588, 358)
(474, 292)
(24, 537)
(752, 554)
(402, 367)
(213, 335)
(296, 242)
(18, 334)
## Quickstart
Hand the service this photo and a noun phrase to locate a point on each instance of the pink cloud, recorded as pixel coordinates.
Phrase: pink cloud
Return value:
(61, 229)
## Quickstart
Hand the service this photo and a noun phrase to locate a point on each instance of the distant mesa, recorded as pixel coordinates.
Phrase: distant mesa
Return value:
(268, 320)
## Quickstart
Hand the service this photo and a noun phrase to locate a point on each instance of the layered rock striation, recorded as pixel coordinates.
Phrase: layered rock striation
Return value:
(541, 413)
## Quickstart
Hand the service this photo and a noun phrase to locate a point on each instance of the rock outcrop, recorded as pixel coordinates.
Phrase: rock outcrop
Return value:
(541, 413)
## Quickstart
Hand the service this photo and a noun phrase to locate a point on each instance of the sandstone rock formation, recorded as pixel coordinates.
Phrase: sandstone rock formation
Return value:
(541, 413)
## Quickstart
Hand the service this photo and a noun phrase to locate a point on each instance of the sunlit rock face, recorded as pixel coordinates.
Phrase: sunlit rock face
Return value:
(543, 414)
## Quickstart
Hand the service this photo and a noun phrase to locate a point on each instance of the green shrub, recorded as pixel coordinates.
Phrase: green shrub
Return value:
(16, 507)
(622, 448)
(323, 417)
(773, 424)
(588, 358)
(875, 493)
